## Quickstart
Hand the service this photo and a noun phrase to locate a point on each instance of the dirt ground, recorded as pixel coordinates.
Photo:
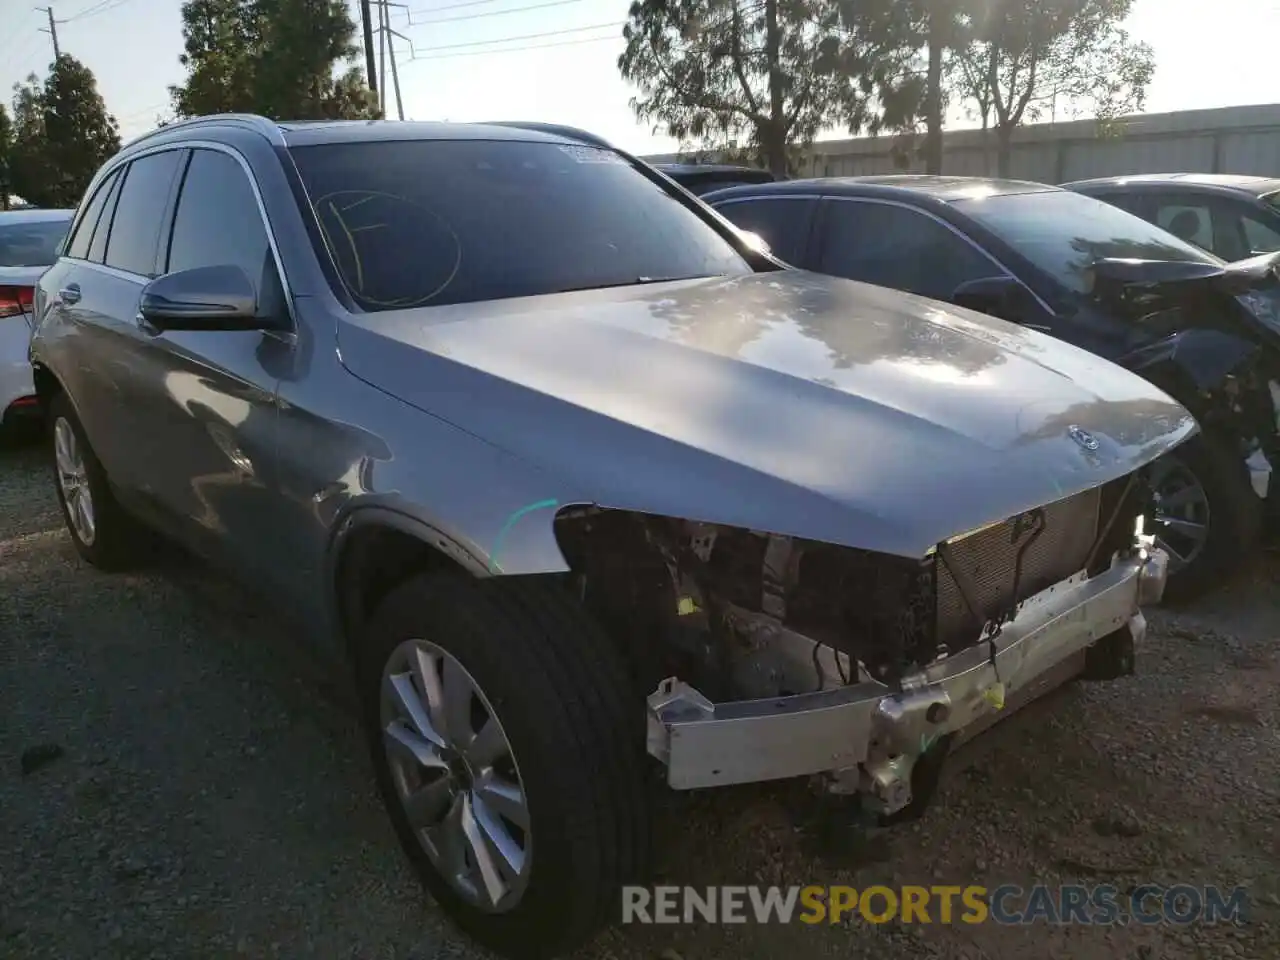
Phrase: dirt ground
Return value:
(200, 789)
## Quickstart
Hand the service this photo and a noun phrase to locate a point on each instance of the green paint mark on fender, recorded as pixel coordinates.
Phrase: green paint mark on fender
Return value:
(494, 566)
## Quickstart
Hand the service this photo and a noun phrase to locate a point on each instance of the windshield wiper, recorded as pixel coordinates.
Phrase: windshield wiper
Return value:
(636, 282)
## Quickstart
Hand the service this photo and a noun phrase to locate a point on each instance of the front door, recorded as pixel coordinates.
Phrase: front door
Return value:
(205, 411)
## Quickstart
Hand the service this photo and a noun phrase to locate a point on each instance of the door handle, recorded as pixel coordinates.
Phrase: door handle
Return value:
(70, 293)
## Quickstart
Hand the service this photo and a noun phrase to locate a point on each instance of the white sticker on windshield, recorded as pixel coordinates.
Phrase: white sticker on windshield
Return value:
(592, 154)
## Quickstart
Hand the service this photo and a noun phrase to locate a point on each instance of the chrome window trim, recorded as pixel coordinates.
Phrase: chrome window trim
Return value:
(257, 196)
(963, 236)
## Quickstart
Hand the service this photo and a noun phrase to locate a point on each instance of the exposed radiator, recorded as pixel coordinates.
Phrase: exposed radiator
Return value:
(988, 558)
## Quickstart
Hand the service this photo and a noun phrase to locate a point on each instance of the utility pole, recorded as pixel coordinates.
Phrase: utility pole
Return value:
(366, 21)
(52, 31)
(386, 33)
(395, 77)
(382, 57)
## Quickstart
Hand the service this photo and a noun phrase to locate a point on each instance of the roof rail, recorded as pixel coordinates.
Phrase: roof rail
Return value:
(251, 120)
(555, 129)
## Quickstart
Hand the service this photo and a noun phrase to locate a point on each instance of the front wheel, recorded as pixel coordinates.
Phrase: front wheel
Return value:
(509, 751)
(1207, 516)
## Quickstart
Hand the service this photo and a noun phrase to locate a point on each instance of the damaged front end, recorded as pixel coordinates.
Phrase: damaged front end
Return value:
(771, 657)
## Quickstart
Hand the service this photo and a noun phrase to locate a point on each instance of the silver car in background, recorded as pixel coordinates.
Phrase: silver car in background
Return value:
(578, 484)
(29, 243)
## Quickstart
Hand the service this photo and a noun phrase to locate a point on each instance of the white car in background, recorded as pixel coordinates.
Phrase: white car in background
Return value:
(29, 242)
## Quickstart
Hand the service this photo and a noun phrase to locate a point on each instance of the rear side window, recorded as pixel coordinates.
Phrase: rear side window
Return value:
(436, 222)
(98, 246)
(135, 229)
(79, 246)
(31, 244)
(781, 223)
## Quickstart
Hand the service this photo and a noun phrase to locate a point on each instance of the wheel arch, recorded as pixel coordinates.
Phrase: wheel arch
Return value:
(47, 385)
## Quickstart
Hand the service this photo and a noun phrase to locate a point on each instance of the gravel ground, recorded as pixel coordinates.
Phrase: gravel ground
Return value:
(200, 789)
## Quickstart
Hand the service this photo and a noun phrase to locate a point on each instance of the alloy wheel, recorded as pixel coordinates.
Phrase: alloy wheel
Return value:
(455, 775)
(1181, 521)
(73, 480)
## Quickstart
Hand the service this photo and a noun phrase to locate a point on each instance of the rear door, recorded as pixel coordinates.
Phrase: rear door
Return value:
(95, 296)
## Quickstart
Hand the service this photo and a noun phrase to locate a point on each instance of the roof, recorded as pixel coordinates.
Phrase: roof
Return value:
(299, 134)
(690, 169)
(311, 132)
(35, 215)
(1256, 186)
(945, 189)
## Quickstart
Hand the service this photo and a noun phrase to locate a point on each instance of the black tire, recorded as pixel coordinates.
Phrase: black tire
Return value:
(576, 730)
(1235, 516)
(118, 539)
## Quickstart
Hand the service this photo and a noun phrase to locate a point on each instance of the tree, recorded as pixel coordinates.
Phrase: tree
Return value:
(286, 59)
(1027, 57)
(219, 39)
(62, 134)
(6, 148)
(761, 77)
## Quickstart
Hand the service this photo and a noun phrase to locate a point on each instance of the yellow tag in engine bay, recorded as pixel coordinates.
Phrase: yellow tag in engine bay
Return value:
(994, 695)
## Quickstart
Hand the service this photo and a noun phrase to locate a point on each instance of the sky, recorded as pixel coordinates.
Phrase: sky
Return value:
(556, 60)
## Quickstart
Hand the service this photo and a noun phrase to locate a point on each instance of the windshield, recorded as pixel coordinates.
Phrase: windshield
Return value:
(431, 222)
(33, 243)
(1064, 233)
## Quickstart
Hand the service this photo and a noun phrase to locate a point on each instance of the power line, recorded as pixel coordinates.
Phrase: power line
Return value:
(520, 49)
(16, 36)
(450, 6)
(525, 36)
(493, 13)
(102, 6)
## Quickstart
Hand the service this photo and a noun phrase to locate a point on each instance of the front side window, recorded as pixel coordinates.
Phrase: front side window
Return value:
(781, 223)
(217, 221)
(436, 222)
(1064, 233)
(135, 228)
(31, 244)
(1192, 222)
(895, 246)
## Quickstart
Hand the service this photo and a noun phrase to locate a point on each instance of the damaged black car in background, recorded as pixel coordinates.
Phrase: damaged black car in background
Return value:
(1205, 331)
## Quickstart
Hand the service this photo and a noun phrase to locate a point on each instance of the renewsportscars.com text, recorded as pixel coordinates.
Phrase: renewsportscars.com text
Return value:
(1145, 904)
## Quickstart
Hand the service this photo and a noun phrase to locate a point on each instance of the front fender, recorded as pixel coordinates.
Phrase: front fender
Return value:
(1200, 359)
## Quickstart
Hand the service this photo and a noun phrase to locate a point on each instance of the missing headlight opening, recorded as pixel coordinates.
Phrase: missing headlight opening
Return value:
(741, 614)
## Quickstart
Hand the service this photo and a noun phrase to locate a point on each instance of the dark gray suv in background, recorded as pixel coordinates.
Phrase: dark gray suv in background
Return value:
(580, 485)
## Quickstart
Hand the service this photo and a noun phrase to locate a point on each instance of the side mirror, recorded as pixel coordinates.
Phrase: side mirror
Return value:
(204, 298)
(1002, 297)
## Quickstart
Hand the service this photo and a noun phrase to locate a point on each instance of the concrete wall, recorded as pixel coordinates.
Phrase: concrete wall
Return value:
(1228, 140)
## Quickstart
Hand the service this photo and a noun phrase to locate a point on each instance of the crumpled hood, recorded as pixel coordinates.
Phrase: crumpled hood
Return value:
(789, 401)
